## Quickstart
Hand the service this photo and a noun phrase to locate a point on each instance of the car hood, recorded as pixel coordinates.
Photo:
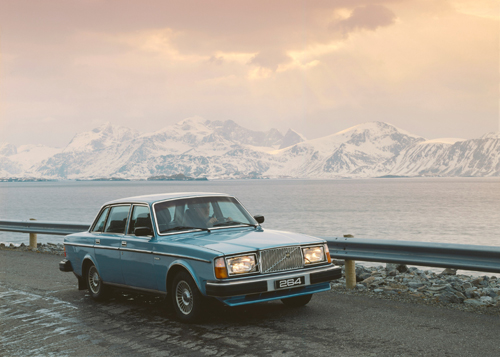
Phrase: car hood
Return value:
(239, 240)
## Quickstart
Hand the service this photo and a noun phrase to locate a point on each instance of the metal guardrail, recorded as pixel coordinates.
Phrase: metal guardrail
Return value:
(442, 255)
(43, 227)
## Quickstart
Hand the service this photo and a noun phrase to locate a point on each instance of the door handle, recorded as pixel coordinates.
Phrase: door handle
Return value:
(124, 243)
(97, 241)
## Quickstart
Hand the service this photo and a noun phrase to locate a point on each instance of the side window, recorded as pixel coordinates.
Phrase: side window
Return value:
(140, 218)
(99, 226)
(117, 220)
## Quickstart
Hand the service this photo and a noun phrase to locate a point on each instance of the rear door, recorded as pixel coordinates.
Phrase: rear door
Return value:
(108, 242)
(136, 252)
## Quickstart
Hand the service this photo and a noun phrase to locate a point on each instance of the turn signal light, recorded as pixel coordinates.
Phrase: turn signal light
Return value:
(220, 268)
(327, 253)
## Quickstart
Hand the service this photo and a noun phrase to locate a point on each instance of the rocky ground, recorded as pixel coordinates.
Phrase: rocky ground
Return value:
(399, 282)
(394, 282)
(49, 248)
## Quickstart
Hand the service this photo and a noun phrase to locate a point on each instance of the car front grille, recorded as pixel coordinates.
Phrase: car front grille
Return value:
(281, 259)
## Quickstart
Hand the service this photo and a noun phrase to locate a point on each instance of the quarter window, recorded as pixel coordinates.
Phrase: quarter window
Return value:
(117, 220)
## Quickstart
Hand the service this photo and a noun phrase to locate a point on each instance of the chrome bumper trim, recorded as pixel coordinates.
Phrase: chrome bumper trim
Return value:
(266, 284)
(274, 276)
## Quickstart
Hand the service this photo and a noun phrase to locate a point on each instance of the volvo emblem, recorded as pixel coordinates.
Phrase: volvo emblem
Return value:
(287, 255)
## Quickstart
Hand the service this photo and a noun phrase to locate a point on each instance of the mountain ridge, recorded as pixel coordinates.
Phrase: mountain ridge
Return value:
(199, 147)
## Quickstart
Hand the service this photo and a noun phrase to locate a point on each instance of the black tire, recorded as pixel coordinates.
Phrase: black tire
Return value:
(97, 289)
(297, 301)
(186, 298)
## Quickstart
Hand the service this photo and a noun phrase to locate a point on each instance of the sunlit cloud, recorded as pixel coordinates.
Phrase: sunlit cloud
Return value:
(259, 73)
(482, 8)
(309, 56)
(239, 57)
(315, 65)
(368, 17)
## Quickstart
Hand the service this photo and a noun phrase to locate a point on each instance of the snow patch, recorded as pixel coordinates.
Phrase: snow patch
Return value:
(449, 141)
(491, 135)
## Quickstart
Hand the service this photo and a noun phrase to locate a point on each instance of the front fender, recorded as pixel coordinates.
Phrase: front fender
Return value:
(187, 266)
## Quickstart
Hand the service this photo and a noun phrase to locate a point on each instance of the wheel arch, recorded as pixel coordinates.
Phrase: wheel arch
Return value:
(178, 266)
(86, 262)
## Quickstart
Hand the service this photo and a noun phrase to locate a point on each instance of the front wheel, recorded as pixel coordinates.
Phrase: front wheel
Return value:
(186, 298)
(297, 301)
(96, 287)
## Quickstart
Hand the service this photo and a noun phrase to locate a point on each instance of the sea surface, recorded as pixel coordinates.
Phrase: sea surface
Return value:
(448, 210)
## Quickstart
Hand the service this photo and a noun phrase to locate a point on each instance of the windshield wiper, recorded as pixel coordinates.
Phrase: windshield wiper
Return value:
(181, 228)
(233, 223)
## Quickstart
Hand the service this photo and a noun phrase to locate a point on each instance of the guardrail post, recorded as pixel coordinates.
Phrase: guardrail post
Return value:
(33, 237)
(350, 270)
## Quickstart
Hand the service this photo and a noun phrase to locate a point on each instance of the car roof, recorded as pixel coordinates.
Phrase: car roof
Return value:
(164, 196)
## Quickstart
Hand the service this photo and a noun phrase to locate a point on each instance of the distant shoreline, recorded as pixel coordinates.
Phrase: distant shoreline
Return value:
(116, 179)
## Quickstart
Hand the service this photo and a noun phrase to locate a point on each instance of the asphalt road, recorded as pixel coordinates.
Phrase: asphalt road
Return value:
(43, 314)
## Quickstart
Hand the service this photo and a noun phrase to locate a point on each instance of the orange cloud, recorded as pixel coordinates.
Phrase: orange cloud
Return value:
(316, 65)
(369, 17)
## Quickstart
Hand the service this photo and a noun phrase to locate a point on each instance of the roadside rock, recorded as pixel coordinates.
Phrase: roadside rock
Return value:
(362, 273)
(474, 302)
(49, 248)
(449, 271)
(399, 267)
(445, 288)
(368, 281)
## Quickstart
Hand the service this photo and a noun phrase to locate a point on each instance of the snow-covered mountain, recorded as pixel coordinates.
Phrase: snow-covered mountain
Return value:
(451, 157)
(193, 146)
(354, 152)
(291, 138)
(100, 138)
(15, 162)
(223, 149)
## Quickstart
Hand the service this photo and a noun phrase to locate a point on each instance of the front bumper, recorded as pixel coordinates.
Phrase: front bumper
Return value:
(265, 284)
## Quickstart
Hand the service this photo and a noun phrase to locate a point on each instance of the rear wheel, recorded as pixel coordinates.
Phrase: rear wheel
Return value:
(97, 288)
(297, 301)
(186, 298)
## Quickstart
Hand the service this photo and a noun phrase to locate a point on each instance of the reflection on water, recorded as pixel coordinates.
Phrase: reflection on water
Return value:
(452, 210)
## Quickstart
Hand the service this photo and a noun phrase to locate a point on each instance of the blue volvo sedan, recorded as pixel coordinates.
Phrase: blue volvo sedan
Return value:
(193, 247)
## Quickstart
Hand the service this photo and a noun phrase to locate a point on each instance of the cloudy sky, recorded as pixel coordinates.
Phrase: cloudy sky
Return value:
(319, 66)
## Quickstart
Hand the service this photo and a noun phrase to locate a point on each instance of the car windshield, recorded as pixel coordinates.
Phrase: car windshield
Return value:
(200, 213)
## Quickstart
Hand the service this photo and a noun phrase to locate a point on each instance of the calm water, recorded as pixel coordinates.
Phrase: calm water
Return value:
(456, 210)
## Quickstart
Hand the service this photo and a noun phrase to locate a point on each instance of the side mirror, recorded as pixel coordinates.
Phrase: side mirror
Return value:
(259, 218)
(143, 231)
